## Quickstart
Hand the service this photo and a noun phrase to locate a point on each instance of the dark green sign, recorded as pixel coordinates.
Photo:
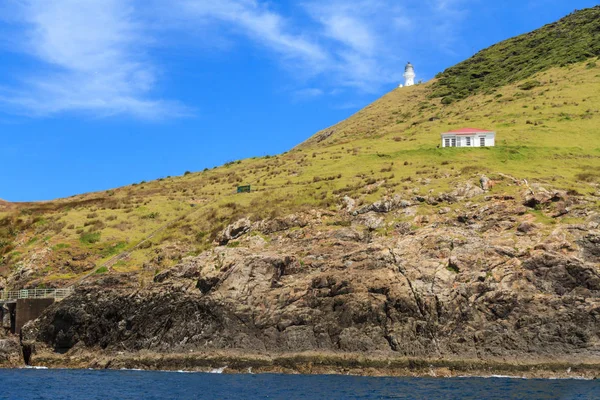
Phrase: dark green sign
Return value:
(243, 189)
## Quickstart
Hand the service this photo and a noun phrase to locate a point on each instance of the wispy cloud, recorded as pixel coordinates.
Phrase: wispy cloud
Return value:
(307, 94)
(256, 21)
(93, 60)
(94, 54)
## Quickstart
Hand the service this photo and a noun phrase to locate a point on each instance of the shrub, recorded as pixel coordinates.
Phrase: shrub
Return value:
(113, 249)
(530, 85)
(89, 237)
(201, 235)
(588, 176)
(152, 215)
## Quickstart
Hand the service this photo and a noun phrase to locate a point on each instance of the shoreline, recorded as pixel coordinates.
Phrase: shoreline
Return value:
(318, 364)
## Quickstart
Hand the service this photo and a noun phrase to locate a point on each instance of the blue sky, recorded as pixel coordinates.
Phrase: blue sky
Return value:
(98, 94)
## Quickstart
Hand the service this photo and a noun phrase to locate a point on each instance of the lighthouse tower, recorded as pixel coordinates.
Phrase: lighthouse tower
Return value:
(409, 75)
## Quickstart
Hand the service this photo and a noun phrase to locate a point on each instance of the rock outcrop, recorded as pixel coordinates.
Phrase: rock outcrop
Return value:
(479, 281)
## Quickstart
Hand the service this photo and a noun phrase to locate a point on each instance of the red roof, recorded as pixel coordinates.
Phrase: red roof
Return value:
(468, 131)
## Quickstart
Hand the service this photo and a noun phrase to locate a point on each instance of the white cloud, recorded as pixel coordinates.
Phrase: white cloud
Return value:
(346, 26)
(256, 21)
(92, 52)
(307, 93)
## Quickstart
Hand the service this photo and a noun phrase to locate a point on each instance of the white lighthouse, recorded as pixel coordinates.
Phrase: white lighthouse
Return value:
(409, 75)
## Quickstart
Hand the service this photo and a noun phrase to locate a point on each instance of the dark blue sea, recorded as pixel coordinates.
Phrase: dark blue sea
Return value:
(86, 384)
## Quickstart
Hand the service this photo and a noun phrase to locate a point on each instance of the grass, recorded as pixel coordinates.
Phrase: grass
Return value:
(542, 218)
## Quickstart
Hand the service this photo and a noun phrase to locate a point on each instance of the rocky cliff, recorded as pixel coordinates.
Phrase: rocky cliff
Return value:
(487, 276)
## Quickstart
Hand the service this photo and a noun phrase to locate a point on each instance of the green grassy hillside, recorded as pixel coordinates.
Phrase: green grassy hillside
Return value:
(573, 39)
(547, 126)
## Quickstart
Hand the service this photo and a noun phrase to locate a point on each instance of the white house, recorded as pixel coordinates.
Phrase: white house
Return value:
(469, 137)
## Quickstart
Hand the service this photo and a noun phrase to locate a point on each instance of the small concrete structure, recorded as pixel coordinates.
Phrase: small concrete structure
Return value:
(28, 310)
(469, 137)
(17, 307)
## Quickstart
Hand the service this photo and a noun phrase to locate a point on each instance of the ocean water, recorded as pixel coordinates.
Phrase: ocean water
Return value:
(88, 384)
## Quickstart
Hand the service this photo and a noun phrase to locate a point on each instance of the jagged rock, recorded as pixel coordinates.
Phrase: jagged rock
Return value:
(10, 350)
(403, 228)
(322, 136)
(349, 203)
(281, 224)
(234, 231)
(384, 206)
(590, 245)
(526, 227)
(542, 197)
(163, 276)
(484, 183)
(446, 198)
(371, 221)
(559, 274)
(421, 220)
(206, 284)
(466, 191)
(560, 209)
(348, 234)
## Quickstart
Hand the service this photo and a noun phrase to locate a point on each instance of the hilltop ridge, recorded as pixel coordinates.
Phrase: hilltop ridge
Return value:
(570, 40)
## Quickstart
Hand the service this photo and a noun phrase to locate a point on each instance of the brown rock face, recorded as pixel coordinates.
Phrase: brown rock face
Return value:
(481, 281)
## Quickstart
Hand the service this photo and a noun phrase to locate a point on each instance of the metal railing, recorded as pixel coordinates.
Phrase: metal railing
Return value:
(14, 295)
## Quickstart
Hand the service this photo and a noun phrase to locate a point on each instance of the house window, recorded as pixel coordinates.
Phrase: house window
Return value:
(482, 141)
(468, 142)
(453, 142)
(447, 142)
